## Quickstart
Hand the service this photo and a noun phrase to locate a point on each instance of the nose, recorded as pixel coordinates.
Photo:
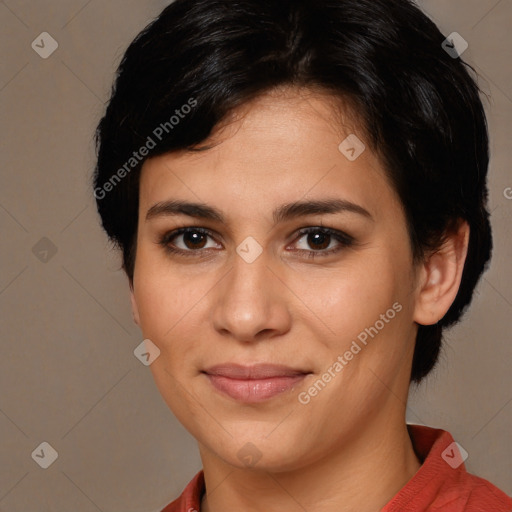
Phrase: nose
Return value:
(251, 303)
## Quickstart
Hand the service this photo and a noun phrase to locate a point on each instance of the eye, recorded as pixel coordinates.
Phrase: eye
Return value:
(320, 239)
(192, 241)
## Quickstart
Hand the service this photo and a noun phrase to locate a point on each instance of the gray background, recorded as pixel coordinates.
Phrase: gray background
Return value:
(68, 375)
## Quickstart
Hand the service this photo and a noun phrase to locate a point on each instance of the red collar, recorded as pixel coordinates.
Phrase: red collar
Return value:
(442, 483)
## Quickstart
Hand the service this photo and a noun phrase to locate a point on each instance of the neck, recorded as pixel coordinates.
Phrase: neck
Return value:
(362, 475)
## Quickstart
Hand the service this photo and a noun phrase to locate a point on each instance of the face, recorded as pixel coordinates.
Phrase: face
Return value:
(325, 289)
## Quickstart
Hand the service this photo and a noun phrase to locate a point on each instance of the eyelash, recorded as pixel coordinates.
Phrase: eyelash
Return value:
(343, 239)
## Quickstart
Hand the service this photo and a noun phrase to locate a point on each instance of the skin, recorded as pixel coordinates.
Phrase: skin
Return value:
(348, 449)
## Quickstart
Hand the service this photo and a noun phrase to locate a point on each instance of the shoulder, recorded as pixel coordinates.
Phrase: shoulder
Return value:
(483, 496)
(442, 483)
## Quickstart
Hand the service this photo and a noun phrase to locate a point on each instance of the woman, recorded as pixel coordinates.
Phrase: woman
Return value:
(299, 192)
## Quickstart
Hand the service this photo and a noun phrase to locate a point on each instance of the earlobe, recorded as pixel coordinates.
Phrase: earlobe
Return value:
(440, 277)
(135, 309)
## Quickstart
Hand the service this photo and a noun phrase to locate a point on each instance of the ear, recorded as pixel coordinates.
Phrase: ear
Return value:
(135, 309)
(440, 275)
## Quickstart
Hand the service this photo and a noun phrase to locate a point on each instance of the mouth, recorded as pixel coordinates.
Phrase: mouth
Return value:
(252, 384)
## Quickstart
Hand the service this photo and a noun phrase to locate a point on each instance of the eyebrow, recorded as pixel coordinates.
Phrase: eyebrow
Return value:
(282, 213)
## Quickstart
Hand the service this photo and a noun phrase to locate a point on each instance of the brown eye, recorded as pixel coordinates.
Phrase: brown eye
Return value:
(194, 239)
(318, 240)
(187, 241)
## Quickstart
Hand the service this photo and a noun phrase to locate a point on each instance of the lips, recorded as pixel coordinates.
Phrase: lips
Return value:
(252, 384)
(258, 371)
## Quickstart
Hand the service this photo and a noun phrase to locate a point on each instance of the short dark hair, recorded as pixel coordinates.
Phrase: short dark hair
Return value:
(420, 108)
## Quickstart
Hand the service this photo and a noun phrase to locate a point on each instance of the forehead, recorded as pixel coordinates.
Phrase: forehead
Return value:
(282, 146)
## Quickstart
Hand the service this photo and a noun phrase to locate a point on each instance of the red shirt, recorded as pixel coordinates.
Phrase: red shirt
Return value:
(442, 483)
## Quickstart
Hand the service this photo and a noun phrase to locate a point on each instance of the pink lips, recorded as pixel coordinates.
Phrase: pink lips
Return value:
(253, 384)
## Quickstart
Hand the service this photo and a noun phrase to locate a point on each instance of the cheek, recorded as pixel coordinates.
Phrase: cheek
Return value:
(165, 302)
(160, 295)
(173, 304)
(347, 300)
(365, 316)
